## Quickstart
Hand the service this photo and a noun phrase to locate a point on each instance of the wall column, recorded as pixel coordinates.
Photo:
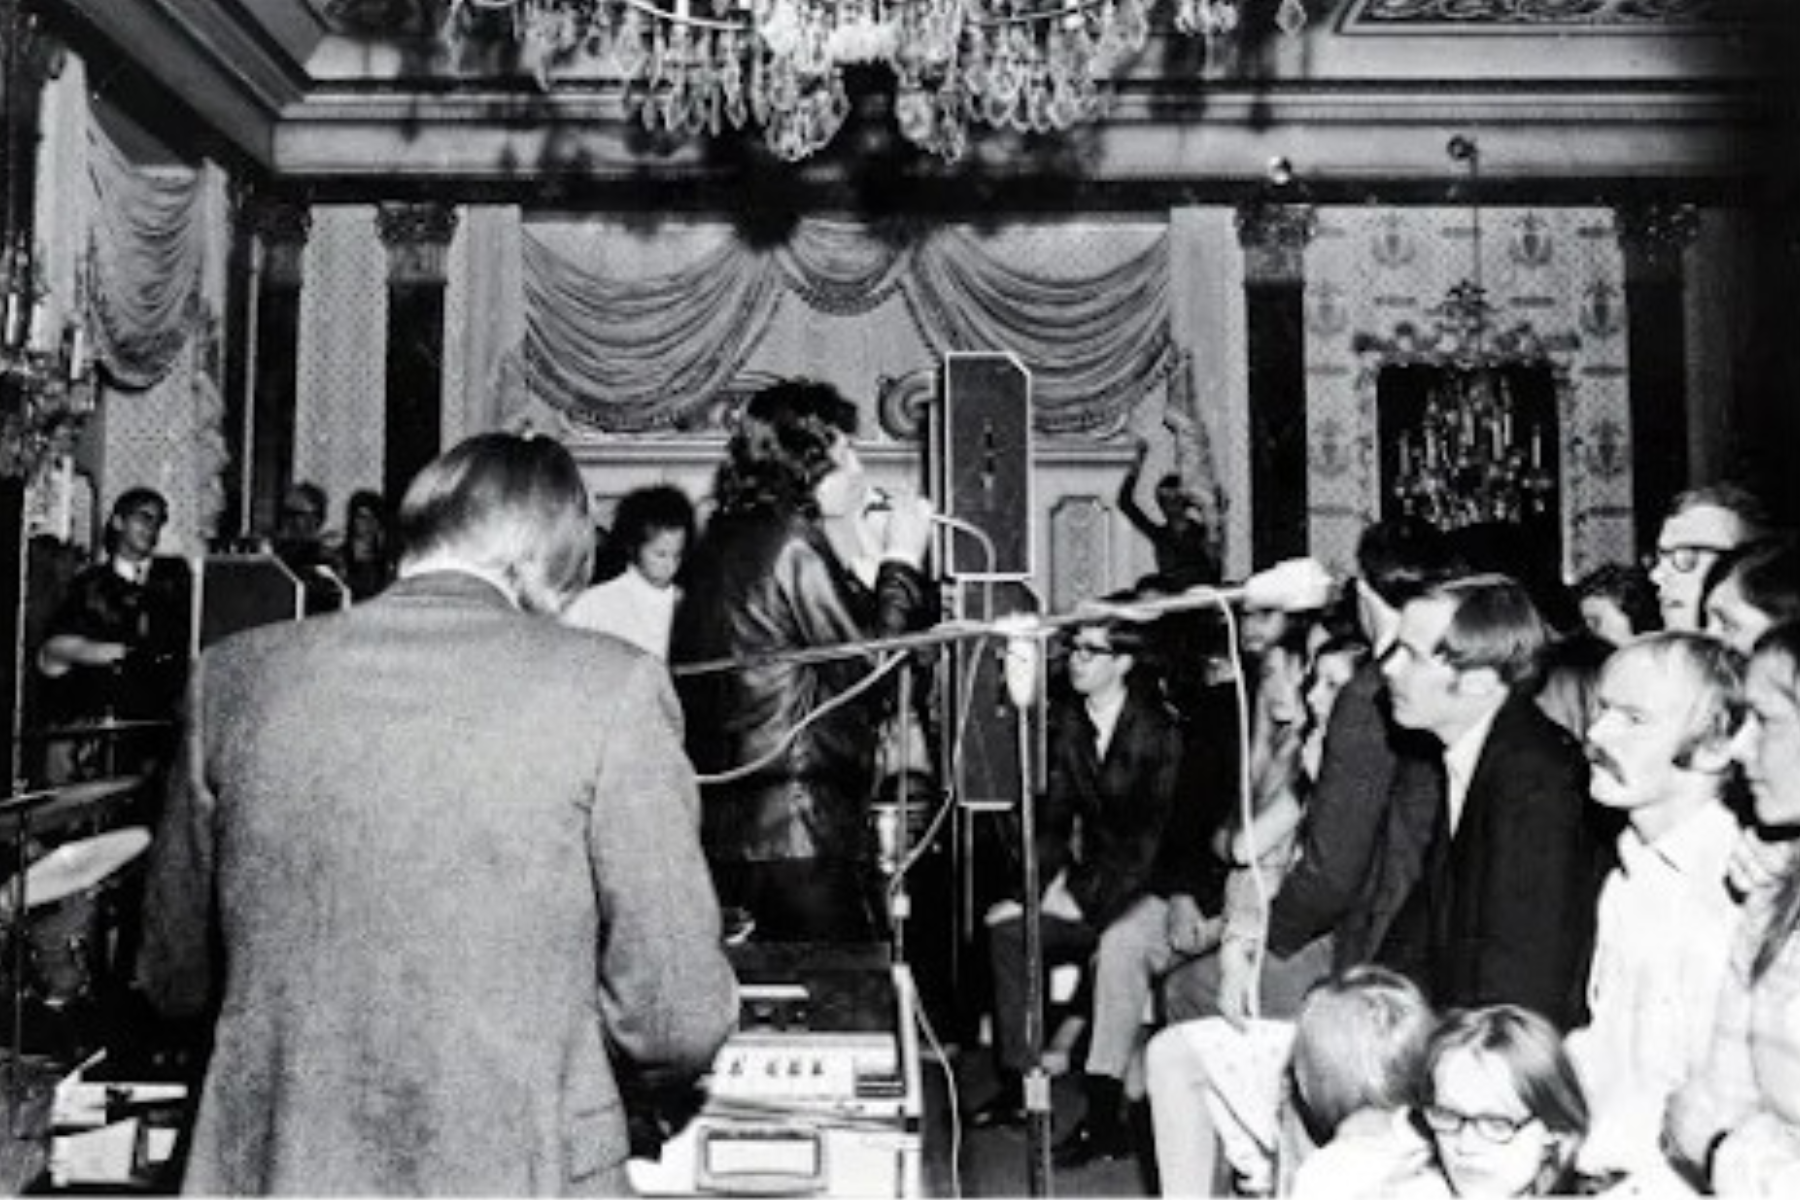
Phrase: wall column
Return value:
(281, 227)
(1654, 237)
(1274, 238)
(417, 237)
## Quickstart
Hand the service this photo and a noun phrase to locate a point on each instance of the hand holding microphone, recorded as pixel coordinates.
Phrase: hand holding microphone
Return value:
(906, 533)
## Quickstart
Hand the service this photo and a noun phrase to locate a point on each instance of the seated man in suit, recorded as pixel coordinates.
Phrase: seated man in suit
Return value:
(435, 864)
(1503, 912)
(1115, 758)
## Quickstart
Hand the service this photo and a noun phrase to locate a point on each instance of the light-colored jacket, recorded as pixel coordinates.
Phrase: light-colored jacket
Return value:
(450, 856)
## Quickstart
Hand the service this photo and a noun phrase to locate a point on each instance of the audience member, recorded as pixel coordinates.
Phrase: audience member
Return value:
(116, 645)
(1572, 665)
(365, 559)
(1668, 707)
(1114, 760)
(1370, 818)
(786, 825)
(1184, 552)
(301, 545)
(1357, 1076)
(432, 863)
(1506, 1109)
(1702, 524)
(1504, 909)
(650, 533)
(1750, 590)
(1736, 1124)
(1618, 602)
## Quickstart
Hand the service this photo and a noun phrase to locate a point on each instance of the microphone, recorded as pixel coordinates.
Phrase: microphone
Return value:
(1294, 585)
(1022, 661)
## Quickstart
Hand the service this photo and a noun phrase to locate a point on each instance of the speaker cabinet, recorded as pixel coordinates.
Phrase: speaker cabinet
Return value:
(234, 592)
(982, 437)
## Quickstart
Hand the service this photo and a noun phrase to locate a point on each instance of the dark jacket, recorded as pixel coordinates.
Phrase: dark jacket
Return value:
(1370, 818)
(1121, 803)
(1504, 909)
(765, 583)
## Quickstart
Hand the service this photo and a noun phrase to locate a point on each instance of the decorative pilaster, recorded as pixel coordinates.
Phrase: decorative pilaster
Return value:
(1274, 238)
(1655, 237)
(276, 229)
(417, 237)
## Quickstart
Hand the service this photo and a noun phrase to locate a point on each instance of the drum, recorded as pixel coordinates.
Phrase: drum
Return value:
(71, 918)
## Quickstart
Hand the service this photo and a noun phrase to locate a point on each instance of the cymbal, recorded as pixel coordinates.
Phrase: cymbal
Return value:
(77, 866)
(48, 807)
(106, 727)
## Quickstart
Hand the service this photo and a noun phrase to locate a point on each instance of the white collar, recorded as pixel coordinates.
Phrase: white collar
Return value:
(1462, 755)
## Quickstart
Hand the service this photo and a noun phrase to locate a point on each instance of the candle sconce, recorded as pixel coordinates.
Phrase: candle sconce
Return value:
(46, 367)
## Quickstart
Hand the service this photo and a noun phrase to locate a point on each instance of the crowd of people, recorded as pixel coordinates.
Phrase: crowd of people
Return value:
(1496, 896)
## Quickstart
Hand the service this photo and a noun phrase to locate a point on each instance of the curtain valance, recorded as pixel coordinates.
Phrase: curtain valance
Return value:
(635, 354)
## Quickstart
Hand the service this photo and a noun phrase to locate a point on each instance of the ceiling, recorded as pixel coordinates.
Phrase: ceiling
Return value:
(358, 97)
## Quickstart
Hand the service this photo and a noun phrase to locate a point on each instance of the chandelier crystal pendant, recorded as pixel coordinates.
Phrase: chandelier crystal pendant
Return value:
(700, 66)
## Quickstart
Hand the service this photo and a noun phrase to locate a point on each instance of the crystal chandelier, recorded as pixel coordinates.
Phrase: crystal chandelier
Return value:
(1476, 456)
(699, 66)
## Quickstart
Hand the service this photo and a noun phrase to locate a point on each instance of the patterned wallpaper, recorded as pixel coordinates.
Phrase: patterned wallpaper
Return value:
(151, 439)
(1369, 269)
(342, 368)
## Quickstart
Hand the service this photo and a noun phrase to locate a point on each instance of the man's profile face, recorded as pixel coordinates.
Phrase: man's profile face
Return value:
(1689, 544)
(1643, 717)
(1425, 689)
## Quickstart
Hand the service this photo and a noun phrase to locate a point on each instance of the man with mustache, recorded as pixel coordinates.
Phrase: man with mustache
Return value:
(1666, 709)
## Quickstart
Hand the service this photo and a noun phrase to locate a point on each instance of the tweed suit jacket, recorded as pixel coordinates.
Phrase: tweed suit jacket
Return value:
(437, 864)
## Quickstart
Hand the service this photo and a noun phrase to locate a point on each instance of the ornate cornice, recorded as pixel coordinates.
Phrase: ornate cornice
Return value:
(1654, 236)
(1274, 238)
(417, 237)
(1559, 17)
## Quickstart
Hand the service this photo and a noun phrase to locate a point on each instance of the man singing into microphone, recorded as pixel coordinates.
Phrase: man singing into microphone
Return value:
(785, 819)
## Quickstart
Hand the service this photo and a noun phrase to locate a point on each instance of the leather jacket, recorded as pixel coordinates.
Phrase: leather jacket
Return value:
(762, 583)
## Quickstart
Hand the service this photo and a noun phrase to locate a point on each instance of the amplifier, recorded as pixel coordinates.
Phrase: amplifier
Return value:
(817, 1093)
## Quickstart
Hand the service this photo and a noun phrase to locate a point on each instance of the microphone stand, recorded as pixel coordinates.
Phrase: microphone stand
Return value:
(1021, 686)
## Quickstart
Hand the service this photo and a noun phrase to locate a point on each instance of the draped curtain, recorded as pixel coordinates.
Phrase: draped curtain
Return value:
(136, 255)
(629, 355)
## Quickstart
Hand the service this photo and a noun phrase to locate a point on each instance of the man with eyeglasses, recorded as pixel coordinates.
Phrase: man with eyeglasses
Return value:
(1703, 523)
(116, 646)
(1114, 763)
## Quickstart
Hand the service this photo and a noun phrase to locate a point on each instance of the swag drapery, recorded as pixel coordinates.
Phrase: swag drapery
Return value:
(630, 355)
(136, 254)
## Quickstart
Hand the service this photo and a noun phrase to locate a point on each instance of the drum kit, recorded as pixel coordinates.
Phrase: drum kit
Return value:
(59, 917)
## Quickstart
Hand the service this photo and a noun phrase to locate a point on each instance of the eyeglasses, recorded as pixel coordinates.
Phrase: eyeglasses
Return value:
(1489, 1127)
(1684, 559)
(1089, 650)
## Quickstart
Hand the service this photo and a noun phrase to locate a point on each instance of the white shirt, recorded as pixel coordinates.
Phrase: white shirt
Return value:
(1104, 713)
(1663, 937)
(627, 606)
(1460, 759)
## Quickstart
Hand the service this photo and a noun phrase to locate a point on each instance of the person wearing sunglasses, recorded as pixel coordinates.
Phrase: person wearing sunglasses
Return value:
(1505, 1111)
(1703, 523)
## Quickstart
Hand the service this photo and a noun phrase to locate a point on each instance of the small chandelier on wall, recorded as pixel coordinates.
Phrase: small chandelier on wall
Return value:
(700, 66)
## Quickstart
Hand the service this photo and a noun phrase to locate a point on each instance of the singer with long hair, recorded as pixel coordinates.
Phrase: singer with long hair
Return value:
(787, 780)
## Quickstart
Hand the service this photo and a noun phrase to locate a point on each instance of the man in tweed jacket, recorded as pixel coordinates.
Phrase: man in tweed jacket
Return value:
(435, 863)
